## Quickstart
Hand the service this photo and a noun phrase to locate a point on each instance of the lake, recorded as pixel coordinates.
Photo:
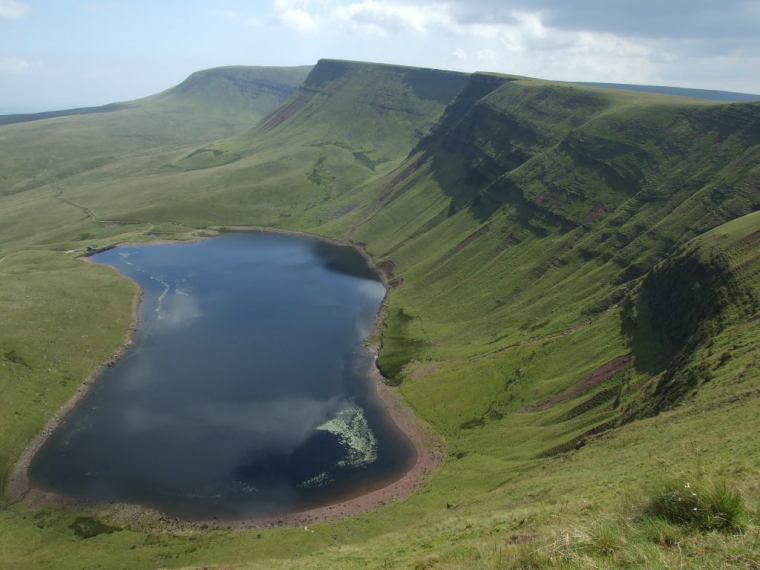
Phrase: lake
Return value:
(247, 391)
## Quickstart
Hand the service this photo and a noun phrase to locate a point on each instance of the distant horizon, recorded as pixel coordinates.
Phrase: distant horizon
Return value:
(83, 53)
(31, 109)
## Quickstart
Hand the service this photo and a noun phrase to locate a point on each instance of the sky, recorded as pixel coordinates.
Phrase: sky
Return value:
(57, 54)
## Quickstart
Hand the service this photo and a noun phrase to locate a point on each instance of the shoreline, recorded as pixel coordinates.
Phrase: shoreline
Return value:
(18, 487)
(221, 230)
(427, 446)
(428, 455)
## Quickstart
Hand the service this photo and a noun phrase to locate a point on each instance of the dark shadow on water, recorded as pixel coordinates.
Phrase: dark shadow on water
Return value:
(345, 260)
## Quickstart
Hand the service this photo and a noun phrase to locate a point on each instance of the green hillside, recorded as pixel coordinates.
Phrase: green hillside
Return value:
(706, 94)
(574, 308)
(49, 147)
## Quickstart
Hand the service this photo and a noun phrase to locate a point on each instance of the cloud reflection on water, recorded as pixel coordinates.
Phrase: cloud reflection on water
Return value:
(226, 434)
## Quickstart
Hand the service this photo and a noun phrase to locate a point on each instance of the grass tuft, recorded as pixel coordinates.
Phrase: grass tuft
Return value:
(605, 538)
(705, 504)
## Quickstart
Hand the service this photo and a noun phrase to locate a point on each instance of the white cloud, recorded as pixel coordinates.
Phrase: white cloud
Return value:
(13, 9)
(458, 55)
(298, 20)
(365, 18)
(381, 17)
(457, 60)
(302, 16)
(540, 38)
(16, 65)
(517, 42)
(526, 46)
(486, 55)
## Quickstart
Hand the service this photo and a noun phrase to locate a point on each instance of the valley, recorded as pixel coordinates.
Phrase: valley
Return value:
(573, 302)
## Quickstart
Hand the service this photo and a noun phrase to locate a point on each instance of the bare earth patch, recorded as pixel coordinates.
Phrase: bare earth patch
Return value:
(599, 375)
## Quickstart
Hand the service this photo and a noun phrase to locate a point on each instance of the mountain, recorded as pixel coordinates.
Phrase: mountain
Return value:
(378, 112)
(236, 90)
(574, 306)
(28, 117)
(232, 90)
(211, 104)
(348, 123)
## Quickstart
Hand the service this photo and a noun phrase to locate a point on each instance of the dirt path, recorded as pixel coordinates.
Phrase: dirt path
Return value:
(12, 254)
(87, 212)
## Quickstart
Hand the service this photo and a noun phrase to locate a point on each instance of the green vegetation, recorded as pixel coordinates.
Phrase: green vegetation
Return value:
(701, 505)
(87, 527)
(574, 309)
(208, 105)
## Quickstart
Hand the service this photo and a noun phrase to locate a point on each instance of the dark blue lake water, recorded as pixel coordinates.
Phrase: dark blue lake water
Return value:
(246, 392)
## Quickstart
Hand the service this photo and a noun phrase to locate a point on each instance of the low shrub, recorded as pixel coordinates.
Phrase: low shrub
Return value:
(88, 527)
(704, 504)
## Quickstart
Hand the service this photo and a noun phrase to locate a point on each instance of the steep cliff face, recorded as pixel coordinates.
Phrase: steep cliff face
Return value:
(534, 207)
(377, 111)
(580, 154)
(694, 313)
(382, 109)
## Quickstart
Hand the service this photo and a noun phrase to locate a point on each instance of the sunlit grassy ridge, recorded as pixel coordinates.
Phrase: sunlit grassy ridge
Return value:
(575, 303)
(208, 105)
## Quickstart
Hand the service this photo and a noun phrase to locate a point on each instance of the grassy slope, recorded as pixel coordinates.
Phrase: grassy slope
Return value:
(63, 325)
(347, 124)
(38, 217)
(516, 227)
(208, 105)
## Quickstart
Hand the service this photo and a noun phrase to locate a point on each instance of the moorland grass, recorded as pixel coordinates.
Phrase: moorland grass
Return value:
(705, 504)
(509, 308)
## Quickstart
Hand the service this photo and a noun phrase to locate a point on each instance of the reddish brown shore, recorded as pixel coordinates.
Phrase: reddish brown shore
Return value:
(429, 452)
(428, 447)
